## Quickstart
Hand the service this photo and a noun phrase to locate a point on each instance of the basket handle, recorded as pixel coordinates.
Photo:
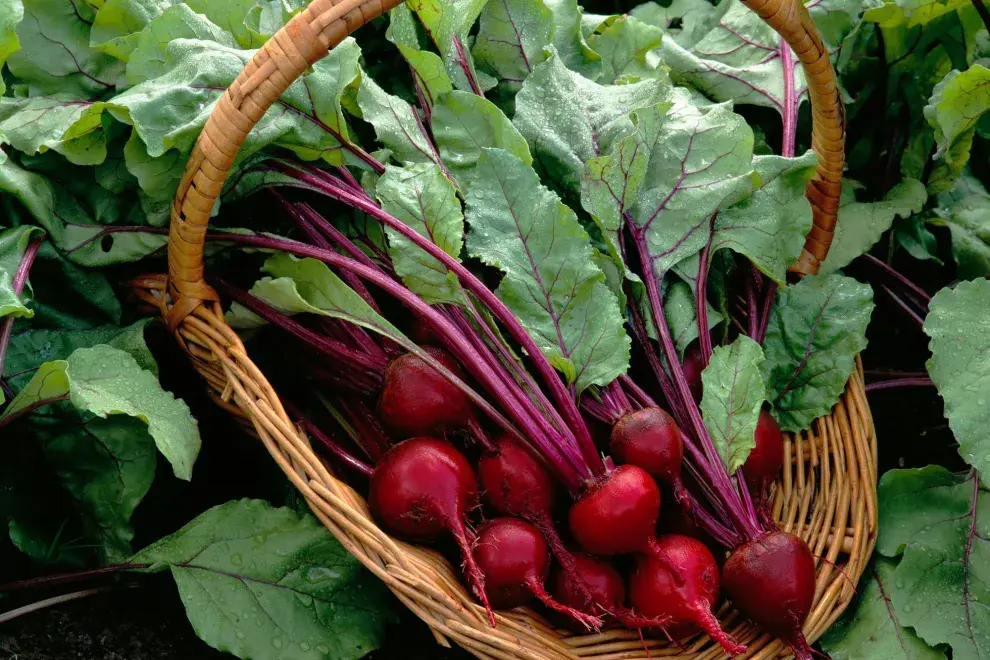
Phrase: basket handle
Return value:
(310, 35)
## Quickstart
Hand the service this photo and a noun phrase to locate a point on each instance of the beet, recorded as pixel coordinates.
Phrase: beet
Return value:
(680, 581)
(417, 400)
(765, 460)
(617, 515)
(516, 561)
(692, 366)
(514, 482)
(649, 438)
(771, 579)
(420, 490)
(603, 583)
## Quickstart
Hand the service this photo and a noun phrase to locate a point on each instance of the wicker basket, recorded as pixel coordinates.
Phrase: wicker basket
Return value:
(827, 493)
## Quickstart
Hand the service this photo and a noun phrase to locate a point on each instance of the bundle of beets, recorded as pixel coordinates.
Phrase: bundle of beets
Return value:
(407, 409)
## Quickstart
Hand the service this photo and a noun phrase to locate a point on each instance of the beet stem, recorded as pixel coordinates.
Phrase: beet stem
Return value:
(334, 448)
(701, 296)
(17, 284)
(465, 541)
(589, 621)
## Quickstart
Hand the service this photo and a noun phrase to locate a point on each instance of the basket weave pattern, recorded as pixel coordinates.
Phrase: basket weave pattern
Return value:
(826, 494)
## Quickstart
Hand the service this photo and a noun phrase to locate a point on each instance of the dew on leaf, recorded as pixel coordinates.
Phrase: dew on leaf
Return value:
(236, 559)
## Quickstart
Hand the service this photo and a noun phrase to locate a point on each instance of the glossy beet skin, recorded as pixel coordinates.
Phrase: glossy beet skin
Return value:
(618, 515)
(514, 482)
(420, 489)
(763, 463)
(650, 439)
(602, 581)
(680, 580)
(417, 400)
(516, 561)
(771, 579)
(692, 366)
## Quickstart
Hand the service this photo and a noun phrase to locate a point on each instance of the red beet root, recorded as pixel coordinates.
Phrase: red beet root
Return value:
(515, 560)
(619, 514)
(514, 482)
(680, 581)
(418, 400)
(603, 583)
(771, 579)
(764, 462)
(692, 366)
(420, 490)
(650, 439)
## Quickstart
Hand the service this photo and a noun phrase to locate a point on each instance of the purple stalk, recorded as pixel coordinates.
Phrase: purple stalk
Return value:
(334, 448)
(715, 471)
(350, 359)
(637, 393)
(466, 68)
(904, 306)
(18, 283)
(360, 424)
(455, 341)
(768, 299)
(565, 402)
(913, 288)
(899, 382)
(701, 297)
(790, 109)
(752, 312)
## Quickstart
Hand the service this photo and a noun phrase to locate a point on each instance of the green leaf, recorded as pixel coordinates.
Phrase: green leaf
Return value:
(13, 244)
(568, 119)
(30, 349)
(914, 236)
(107, 381)
(817, 328)
(960, 365)
(307, 119)
(910, 13)
(694, 16)
(428, 68)
(265, 583)
(148, 59)
(627, 46)
(733, 396)
(463, 124)
(954, 109)
(422, 198)
(700, 159)
(680, 310)
(55, 57)
(769, 226)
(871, 629)
(448, 22)
(309, 286)
(11, 14)
(737, 60)
(69, 126)
(969, 227)
(937, 522)
(861, 224)
(68, 225)
(512, 36)
(396, 123)
(550, 282)
(569, 40)
(106, 465)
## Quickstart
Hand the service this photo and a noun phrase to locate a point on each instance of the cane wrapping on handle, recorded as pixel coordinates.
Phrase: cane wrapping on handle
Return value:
(791, 20)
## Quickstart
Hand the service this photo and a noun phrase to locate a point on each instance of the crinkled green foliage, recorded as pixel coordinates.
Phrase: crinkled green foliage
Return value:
(262, 582)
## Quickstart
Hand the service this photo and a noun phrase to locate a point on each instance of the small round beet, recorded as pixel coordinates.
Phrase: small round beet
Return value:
(650, 439)
(680, 581)
(514, 482)
(417, 400)
(421, 489)
(516, 561)
(771, 579)
(765, 460)
(603, 583)
(692, 367)
(618, 515)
